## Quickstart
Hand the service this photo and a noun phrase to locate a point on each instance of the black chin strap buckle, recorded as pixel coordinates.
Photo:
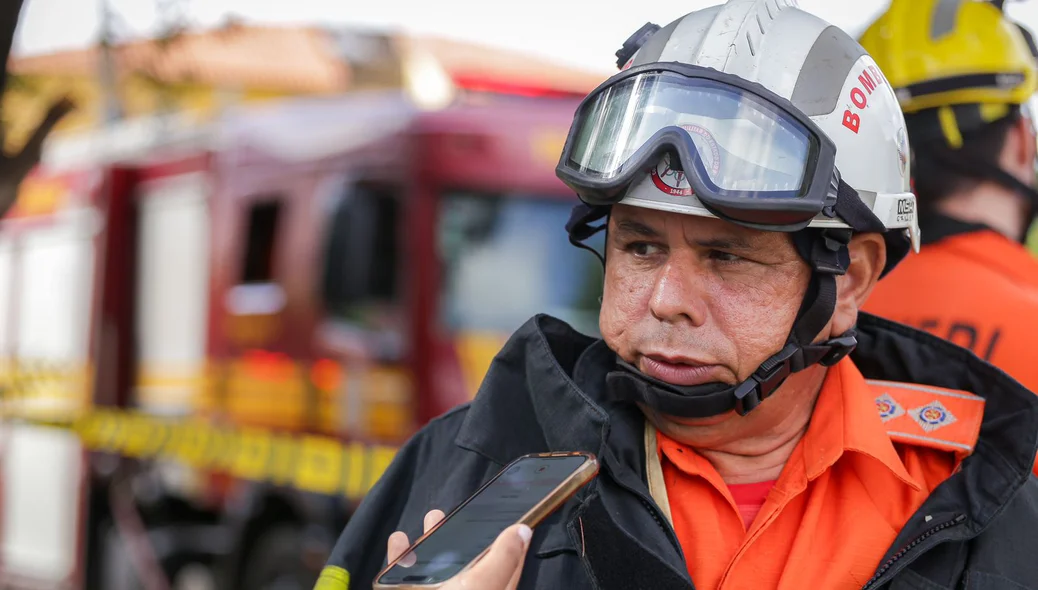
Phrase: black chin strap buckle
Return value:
(792, 358)
(838, 348)
(772, 372)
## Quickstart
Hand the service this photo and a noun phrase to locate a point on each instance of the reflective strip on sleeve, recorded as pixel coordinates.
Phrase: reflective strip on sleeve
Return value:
(333, 578)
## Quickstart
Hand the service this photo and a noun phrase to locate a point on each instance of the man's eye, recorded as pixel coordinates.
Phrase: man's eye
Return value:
(720, 256)
(642, 248)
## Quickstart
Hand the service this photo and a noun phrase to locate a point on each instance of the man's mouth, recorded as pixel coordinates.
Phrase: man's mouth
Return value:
(679, 371)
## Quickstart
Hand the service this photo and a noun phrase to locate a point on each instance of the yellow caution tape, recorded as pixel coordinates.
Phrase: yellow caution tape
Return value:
(312, 463)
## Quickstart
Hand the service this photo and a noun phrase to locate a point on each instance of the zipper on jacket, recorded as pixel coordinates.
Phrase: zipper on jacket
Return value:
(655, 516)
(668, 531)
(883, 569)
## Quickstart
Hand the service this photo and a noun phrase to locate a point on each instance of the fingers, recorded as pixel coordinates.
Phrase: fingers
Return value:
(514, 582)
(431, 518)
(396, 546)
(398, 542)
(499, 569)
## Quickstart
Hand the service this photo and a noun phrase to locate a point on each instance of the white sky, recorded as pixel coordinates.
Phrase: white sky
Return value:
(578, 32)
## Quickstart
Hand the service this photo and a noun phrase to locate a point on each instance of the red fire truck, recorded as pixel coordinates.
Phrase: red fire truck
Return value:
(212, 339)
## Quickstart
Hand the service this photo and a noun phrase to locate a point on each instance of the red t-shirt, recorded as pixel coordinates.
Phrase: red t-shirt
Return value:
(749, 497)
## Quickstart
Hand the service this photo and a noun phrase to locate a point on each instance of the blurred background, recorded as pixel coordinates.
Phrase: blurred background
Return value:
(268, 242)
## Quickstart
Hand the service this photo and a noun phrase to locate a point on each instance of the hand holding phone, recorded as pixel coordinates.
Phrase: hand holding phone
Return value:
(524, 493)
(499, 569)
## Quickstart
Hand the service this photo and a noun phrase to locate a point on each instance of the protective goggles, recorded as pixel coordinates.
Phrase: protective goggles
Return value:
(747, 154)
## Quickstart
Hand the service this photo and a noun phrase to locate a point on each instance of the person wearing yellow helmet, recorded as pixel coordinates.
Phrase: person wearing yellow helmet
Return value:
(965, 76)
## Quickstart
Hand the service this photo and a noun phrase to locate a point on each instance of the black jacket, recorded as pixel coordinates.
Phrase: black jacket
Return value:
(977, 530)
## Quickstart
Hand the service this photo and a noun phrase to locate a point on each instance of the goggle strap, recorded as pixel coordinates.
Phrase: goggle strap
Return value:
(850, 208)
(579, 227)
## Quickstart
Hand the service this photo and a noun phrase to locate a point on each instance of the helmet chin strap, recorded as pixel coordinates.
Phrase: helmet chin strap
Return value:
(826, 250)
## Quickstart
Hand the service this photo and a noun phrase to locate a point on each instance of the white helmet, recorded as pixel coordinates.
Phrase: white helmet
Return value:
(821, 70)
(766, 116)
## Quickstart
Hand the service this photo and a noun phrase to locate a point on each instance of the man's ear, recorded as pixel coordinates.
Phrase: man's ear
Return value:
(868, 257)
(1018, 152)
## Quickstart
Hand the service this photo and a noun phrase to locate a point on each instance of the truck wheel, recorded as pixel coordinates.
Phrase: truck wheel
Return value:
(276, 562)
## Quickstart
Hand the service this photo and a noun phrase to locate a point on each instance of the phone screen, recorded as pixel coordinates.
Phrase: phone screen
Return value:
(473, 528)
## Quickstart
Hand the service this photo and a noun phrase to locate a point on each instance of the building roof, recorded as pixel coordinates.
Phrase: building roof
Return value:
(303, 60)
(296, 60)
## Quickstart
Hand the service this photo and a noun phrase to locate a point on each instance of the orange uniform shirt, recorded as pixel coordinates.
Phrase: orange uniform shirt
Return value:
(873, 453)
(978, 290)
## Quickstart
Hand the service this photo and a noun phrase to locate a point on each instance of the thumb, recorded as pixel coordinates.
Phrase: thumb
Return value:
(502, 563)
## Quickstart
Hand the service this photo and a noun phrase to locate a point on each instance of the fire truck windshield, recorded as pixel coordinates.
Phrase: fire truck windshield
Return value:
(507, 258)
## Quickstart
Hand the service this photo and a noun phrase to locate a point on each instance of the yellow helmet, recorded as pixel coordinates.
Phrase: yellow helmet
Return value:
(941, 53)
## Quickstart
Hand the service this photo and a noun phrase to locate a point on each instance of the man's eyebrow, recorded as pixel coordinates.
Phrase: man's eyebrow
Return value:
(733, 242)
(636, 228)
(726, 243)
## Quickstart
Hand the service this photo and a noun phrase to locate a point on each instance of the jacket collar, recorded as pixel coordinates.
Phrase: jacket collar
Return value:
(934, 227)
(530, 393)
(1005, 452)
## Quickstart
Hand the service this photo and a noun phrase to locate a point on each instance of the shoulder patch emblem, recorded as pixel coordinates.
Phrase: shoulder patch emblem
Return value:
(934, 417)
(888, 408)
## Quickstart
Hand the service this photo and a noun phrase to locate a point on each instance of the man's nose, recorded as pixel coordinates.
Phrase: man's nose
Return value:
(679, 294)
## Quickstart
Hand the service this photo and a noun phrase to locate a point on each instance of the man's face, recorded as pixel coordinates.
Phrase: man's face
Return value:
(692, 300)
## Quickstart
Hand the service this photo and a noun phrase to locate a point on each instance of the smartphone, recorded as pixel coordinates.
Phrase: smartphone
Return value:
(526, 491)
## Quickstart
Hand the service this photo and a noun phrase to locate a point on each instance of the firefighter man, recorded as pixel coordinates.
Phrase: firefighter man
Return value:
(754, 429)
(965, 76)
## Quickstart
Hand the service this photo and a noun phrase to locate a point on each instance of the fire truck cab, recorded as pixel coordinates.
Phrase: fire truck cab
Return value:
(319, 277)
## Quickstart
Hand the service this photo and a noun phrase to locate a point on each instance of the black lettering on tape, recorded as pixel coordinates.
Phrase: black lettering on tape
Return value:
(222, 450)
(145, 436)
(171, 450)
(281, 466)
(120, 427)
(194, 450)
(319, 466)
(253, 455)
(356, 471)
